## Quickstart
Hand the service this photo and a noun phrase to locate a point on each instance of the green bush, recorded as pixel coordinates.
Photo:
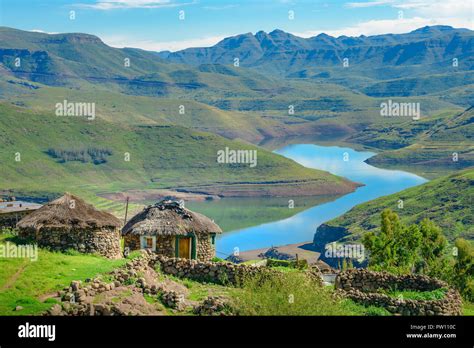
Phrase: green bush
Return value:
(463, 270)
(402, 249)
(217, 259)
(300, 264)
(285, 294)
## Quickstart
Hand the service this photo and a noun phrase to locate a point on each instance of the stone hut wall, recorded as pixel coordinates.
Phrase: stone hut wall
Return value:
(205, 251)
(165, 245)
(362, 285)
(9, 220)
(131, 241)
(105, 242)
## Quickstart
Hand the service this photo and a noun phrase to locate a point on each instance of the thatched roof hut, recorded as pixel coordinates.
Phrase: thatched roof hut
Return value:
(169, 218)
(167, 227)
(69, 222)
(69, 212)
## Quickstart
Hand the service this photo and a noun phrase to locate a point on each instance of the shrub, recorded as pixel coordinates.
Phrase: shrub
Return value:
(284, 294)
(463, 270)
(402, 249)
(217, 259)
(84, 155)
(300, 264)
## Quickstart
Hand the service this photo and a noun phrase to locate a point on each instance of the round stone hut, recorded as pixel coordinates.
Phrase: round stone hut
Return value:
(70, 223)
(172, 230)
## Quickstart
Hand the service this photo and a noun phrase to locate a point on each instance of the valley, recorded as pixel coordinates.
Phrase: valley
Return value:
(264, 142)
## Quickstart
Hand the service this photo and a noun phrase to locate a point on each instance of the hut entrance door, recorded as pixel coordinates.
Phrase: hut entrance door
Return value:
(184, 247)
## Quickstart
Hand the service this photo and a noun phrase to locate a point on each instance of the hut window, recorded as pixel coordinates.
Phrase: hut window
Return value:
(148, 242)
(213, 238)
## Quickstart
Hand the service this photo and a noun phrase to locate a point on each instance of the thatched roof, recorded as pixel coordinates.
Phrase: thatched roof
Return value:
(169, 218)
(68, 212)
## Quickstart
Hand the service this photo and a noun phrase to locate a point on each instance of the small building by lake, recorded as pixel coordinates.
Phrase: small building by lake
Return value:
(172, 230)
(70, 223)
(13, 211)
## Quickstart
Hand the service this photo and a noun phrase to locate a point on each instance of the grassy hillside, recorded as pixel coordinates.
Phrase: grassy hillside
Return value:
(160, 157)
(428, 143)
(448, 201)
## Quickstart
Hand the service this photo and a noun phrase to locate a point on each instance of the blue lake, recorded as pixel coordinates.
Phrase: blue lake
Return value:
(301, 227)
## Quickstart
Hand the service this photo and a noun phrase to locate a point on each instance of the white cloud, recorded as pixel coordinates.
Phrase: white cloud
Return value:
(42, 31)
(456, 13)
(131, 4)
(384, 26)
(152, 45)
(368, 3)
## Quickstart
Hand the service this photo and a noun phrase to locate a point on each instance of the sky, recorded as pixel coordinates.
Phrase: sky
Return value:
(159, 25)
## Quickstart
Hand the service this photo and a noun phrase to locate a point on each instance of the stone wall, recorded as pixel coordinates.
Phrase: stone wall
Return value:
(165, 245)
(104, 242)
(364, 286)
(215, 272)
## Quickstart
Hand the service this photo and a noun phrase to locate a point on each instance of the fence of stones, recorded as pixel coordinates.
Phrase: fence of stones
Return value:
(214, 272)
(364, 286)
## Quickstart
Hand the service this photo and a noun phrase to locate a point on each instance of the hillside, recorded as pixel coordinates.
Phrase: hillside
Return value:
(78, 60)
(428, 144)
(448, 201)
(58, 154)
(233, 102)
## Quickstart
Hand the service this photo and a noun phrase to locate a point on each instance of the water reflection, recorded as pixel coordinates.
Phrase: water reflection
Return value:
(341, 161)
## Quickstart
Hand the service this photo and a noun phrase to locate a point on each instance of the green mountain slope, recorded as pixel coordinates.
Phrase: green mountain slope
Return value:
(448, 201)
(235, 102)
(79, 59)
(445, 140)
(44, 152)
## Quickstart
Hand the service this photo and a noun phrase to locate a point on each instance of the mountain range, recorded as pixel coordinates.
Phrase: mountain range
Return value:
(249, 103)
(368, 58)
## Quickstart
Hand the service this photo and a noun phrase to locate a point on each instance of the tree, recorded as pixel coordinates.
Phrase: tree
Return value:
(432, 250)
(397, 247)
(463, 270)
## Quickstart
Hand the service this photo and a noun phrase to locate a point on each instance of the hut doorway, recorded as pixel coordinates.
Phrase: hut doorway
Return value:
(184, 247)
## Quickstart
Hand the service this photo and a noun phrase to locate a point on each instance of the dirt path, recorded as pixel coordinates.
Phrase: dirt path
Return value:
(14, 277)
(44, 297)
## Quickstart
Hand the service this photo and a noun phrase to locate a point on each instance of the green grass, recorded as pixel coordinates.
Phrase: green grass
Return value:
(291, 293)
(437, 294)
(23, 282)
(468, 308)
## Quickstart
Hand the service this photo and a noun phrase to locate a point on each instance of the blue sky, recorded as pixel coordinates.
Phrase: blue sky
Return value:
(155, 24)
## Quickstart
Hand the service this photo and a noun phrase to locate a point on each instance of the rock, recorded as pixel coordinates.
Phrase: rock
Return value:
(18, 308)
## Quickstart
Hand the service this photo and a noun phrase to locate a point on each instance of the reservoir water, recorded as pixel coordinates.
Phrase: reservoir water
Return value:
(301, 227)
